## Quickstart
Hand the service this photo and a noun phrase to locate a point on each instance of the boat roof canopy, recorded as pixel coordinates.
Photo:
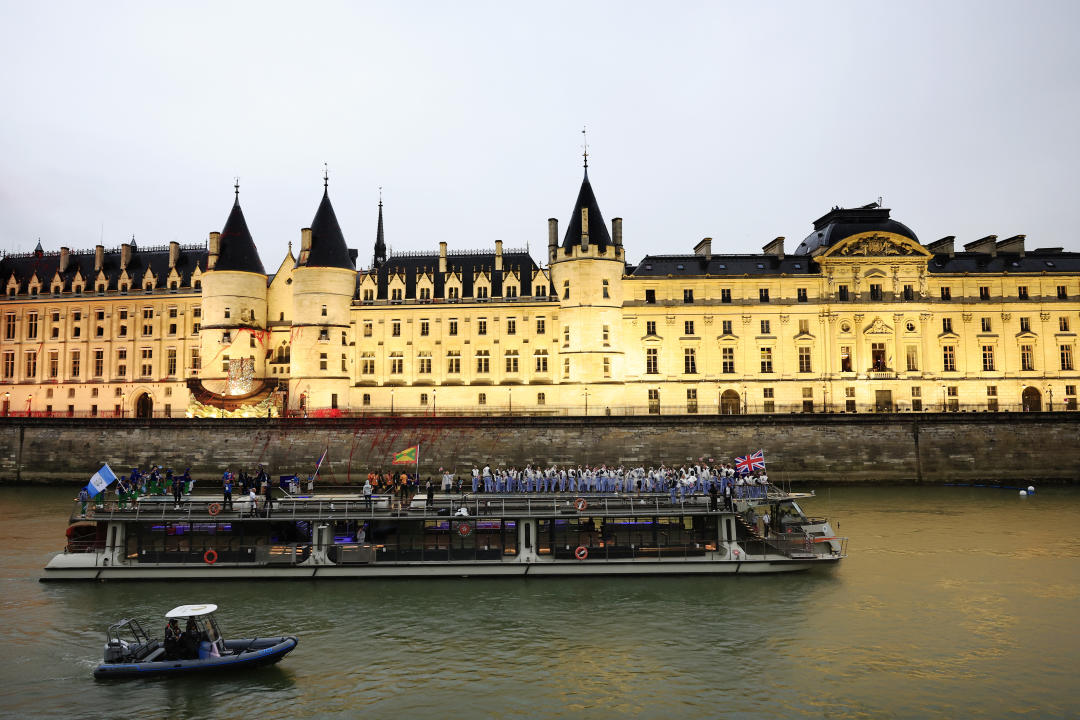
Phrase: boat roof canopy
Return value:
(191, 611)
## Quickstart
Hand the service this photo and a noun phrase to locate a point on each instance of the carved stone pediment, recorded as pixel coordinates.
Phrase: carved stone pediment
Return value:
(875, 245)
(877, 327)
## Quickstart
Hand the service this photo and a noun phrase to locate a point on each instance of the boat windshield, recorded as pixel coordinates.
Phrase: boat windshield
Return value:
(790, 514)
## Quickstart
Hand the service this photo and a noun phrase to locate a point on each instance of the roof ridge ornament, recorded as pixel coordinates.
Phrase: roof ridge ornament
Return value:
(585, 146)
(236, 189)
(326, 177)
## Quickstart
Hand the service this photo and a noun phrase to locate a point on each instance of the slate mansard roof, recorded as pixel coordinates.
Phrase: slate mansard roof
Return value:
(81, 262)
(466, 263)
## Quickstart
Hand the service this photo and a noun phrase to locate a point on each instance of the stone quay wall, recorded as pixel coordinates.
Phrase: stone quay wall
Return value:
(932, 448)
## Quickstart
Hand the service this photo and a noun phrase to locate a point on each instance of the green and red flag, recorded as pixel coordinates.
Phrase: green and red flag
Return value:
(407, 456)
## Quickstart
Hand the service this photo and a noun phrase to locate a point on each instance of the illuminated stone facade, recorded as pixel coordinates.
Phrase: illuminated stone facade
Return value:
(861, 317)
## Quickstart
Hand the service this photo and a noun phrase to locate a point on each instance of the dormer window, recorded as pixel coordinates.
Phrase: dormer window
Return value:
(482, 292)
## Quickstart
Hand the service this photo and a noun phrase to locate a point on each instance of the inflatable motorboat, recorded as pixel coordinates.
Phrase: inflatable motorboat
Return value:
(199, 645)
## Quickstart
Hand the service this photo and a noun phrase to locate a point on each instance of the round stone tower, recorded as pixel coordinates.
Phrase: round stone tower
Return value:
(324, 282)
(233, 309)
(587, 271)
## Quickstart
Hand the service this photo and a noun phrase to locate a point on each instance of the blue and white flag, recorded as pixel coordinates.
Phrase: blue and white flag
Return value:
(101, 480)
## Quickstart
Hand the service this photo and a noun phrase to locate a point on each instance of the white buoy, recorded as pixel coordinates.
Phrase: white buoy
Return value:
(1031, 488)
(1023, 493)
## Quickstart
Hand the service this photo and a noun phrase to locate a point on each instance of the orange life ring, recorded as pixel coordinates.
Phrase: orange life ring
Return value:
(213, 508)
(210, 557)
(582, 552)
(464, 529)
(581, 504)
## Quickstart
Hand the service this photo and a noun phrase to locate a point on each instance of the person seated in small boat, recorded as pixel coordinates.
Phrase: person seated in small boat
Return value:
(172, 640)
(192, 637)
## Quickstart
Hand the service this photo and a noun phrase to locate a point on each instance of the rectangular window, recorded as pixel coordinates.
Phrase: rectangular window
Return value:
(541, 399)
(987, 358)
(727, 359)
(31, 325)
(481, 326)
(395, 328)
(55, 329)
(566, 289)
(605, 335)
(984, 292)
(605, 288)
(170, 362)
(1022, 292)
(1025, 324)
(511, 358)
(541, 326)
(481, 399)
(650, 327)
(691, 400)
(946, 325)
(766, 359)
(566, 368)
(322, 361)
(425, 328)
(452, 327)
(654, 402)
(541, 358)
(54, 364)
(800, 295)
(846, 361)
(121, 363)
(99, 363)
(725, 295)
(483, 361)
(804, 327)
(875, 291)
(31, 364)
(343, 364)
(946, 294)
(765, 327)
(763, 295)
(1062, 292)
(146, 366)
(688, 327)
(9, 364)
(842, 293)
(367, 363)
(1027, 358)
(607, 367)
(725, 327)
(650, 297)
(196, 359)
(652, 362)
(9, 326)
(689, 361)
(1066, 357)
(804, 360)
(912, 358)
(511, 326)
(397, 363)
(1063, 324)
(565, 335)
(986, 325)
(367, 328)
(148, 321)
(768, 402)
(909, 293)
(453, 362)
(688, 296)
(424, 364)
(948, 358)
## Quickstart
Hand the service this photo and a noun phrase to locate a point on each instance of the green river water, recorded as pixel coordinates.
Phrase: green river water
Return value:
(954, 602)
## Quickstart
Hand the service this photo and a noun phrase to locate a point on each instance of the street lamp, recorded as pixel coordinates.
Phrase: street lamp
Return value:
(433, 406)
(1050, 391)
(942, 398)
(123, 404)
(509, 401)
(391, 402)
(586, 401)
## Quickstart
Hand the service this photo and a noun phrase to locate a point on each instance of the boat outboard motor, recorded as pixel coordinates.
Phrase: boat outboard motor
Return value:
(116, 651)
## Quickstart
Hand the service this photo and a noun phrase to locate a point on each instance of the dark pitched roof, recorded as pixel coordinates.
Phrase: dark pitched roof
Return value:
(1053, 261)
(237, 249)
(720, 265)
(840, 223)
(82, 262)
(598, 232)
(467, 263)
(328, 247)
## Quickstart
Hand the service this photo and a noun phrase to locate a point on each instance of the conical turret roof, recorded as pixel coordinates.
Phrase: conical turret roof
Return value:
(597, 229)
(236, 250)
(328, 247)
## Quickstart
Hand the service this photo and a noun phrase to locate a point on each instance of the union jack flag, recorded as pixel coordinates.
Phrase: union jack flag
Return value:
(749, 463)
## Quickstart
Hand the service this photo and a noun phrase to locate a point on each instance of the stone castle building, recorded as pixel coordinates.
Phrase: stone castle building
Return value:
(860, 317)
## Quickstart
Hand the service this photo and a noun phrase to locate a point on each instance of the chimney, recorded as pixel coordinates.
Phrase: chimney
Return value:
(983, 245)
(65, 256)
(944, 246)
(704, 248)
(215, 250)
(305, 246)
(99, 257)
(442, 256)
(125, 255)
(616, 231)
(174, 254)
(1015, 244)
(776, 247)
(553, 238)
(498, 255)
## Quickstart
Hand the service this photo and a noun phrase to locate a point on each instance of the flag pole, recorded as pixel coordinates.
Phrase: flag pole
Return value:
(417, 465)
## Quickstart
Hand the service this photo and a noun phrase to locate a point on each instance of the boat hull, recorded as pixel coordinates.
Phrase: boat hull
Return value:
(266, 652)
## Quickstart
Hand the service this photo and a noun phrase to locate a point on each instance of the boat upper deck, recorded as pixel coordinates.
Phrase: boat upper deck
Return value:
(323, 507)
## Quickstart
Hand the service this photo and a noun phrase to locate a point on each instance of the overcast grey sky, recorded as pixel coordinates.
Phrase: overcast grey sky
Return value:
(739, 121)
